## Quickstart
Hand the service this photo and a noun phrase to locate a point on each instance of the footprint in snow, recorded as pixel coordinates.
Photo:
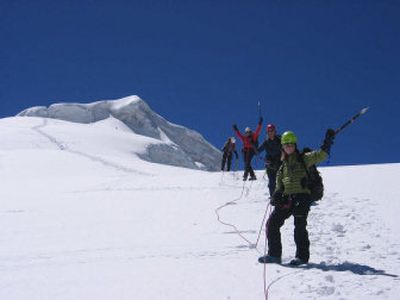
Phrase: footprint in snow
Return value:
(339, 228)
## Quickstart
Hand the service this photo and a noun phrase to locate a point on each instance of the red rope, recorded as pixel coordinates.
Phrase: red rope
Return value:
(231, 225)
(267, 288)
(262, 224)
(265, 253)
(268, 211)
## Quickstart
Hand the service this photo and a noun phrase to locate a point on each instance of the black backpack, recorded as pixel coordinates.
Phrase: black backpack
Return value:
(314, 180)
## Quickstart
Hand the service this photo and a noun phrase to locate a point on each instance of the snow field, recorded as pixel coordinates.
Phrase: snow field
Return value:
(82, 217)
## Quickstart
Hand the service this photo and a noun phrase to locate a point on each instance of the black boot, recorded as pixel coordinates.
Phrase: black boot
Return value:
(297, 262)
(268, 259)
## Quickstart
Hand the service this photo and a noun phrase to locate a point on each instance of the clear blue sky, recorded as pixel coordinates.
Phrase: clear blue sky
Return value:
(205, 64)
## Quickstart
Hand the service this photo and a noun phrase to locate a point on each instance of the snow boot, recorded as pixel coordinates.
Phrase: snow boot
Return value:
(297, 262)
(268, 259)
(253, 178)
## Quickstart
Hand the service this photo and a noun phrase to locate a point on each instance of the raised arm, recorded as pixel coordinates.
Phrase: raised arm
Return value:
(315, 157)
(237, 132)
(258, 129)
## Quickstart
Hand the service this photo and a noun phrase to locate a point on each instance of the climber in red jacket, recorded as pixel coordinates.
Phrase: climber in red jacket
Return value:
(250, 144)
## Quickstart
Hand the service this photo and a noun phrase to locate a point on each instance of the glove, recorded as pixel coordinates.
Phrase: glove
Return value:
(330, 134)
(260, 121)
(276, 198)
(235, 127)
(236, 154)
(328, 141)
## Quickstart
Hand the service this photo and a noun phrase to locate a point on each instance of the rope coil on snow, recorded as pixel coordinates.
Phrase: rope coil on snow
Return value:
(251, 245)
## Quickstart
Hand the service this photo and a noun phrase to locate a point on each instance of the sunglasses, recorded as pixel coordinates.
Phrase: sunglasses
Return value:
(288, 145)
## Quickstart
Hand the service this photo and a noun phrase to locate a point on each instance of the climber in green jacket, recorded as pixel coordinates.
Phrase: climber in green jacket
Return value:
(292, 197)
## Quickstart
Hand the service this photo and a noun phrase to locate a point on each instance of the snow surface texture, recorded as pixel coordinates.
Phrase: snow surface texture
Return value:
(173, 144)
(83, 218)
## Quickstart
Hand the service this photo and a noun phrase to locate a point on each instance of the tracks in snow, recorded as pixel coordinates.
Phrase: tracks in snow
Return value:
(64, 147)
(349, 242)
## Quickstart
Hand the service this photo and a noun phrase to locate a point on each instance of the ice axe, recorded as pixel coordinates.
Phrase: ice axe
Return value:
(351, 120)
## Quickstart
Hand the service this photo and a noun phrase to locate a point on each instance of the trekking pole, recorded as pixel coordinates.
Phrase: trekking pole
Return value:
(350, 121)
(236, 164)
(237, 169)
(259, 109)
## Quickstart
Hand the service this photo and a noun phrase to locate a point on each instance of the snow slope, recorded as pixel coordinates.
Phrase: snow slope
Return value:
(83, 217)
(171, 144)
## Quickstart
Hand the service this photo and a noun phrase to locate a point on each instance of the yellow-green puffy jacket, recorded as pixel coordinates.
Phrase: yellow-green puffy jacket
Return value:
(291, 173)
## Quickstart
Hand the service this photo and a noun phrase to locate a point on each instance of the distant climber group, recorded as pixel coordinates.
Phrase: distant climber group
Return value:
(271, 146)
(289, 182)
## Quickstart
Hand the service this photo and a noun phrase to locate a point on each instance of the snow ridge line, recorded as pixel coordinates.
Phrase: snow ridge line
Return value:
(149, 188)
(38, 129)
(64, 147)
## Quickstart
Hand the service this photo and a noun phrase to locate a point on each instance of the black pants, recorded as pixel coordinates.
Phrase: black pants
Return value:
(226, 157)
(272, 167)
(298, 206)
(271, 180)
(247, 157)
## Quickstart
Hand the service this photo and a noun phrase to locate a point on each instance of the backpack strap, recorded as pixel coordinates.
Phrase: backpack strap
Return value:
(279, 174)
(304, 165)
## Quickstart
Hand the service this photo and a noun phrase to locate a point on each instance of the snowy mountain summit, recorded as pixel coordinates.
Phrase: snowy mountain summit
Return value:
(169, 143)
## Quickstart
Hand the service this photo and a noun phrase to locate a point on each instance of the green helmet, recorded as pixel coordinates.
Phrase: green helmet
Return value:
(288, 137)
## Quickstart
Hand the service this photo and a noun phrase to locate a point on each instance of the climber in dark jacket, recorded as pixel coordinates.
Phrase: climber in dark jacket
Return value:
(272, 147)
(228, 149)
(249, 140)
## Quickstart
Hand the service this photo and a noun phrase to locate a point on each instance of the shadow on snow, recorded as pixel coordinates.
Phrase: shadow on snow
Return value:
(348, 266)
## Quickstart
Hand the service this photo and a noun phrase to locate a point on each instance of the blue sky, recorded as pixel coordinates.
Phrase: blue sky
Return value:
(206, 64)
